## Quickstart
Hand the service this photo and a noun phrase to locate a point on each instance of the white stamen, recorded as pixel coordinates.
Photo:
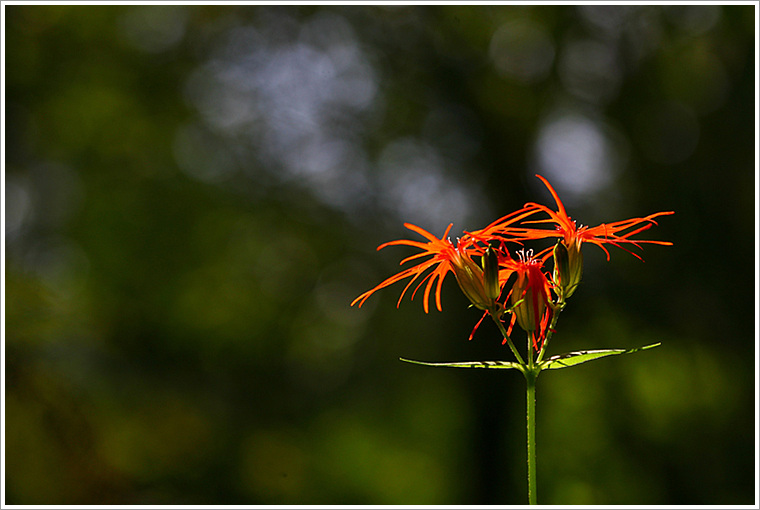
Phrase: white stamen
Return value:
(525, 256)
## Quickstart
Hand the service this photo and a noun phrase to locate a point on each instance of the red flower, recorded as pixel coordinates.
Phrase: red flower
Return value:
(616, 233)
(530, 296)
(444, 258)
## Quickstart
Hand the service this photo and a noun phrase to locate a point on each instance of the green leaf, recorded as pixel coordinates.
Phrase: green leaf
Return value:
(570, 359)
(469, 364)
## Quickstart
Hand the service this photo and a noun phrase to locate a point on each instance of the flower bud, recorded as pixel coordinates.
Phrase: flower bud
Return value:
(491, 274)
(568, 267)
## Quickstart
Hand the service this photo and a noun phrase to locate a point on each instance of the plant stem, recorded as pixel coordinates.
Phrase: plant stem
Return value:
(558, 307)
(530, 378)
(509, 340)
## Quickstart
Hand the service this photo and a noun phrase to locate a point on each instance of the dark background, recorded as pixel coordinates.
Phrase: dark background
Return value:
(194, 195)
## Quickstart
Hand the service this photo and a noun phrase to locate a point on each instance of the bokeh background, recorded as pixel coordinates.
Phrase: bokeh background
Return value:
(194, 195)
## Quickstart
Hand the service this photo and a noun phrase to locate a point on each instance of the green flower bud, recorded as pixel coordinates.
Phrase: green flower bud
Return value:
(491, 274)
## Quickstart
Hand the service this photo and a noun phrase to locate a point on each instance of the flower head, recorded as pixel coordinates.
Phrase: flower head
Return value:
(530, 295)
(445, 257)
(616, 233)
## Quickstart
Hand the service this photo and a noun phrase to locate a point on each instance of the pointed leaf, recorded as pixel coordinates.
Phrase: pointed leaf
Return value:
(469, 364)
(570, 359)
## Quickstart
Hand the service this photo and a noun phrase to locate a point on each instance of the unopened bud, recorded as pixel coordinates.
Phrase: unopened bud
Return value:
(491, 274)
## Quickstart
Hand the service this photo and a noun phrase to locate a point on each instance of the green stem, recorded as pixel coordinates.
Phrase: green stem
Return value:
(530, 378)
(506, 337)
(558, 307)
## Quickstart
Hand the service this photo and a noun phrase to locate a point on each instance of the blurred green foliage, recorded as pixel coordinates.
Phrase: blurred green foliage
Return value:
(194, 194)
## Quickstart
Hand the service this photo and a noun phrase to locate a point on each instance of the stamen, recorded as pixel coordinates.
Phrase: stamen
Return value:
(525, 256)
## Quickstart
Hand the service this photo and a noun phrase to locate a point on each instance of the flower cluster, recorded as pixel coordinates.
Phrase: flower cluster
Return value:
(484, 266)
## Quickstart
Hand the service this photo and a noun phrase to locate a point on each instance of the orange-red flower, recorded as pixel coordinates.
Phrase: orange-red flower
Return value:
(503, 229)
(445, 257)
(530, 295)
(616, 233)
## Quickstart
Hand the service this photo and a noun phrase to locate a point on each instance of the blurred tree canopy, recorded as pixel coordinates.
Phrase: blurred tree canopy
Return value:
(193, 196)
